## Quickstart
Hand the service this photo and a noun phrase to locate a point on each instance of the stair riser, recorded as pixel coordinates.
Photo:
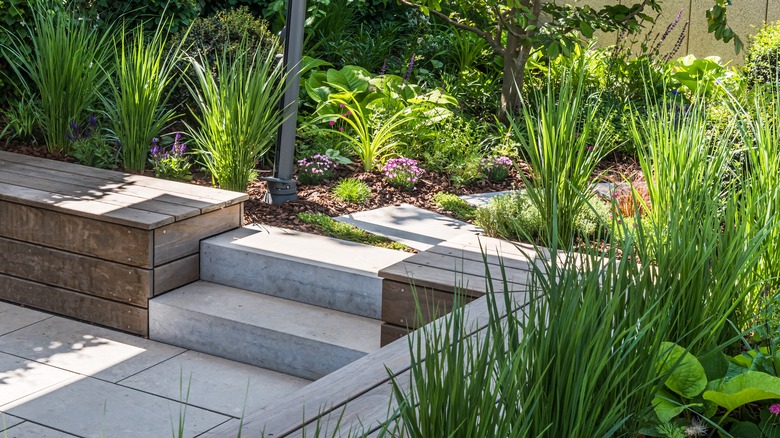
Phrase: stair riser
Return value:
(246, 343)
(359, 294)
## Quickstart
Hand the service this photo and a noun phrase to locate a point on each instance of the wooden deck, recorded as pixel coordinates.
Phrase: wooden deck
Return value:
(359, 396)
(96, 244)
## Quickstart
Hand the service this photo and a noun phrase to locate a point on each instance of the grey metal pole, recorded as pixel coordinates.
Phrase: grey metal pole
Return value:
(282, 186)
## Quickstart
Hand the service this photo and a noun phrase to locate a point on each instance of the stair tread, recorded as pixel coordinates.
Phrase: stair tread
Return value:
(272, 313)
(295, 245)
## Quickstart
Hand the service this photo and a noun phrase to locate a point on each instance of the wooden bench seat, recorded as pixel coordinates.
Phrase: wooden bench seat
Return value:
(96, 244)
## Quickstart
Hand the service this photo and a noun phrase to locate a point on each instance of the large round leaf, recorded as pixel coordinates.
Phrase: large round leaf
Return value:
(745, 388)
(686, 375)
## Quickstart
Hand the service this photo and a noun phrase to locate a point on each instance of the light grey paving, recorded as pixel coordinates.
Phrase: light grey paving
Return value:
(8, 421)
(482, 199)
(221, 385)
(86, 349)
(31, 430)
(14, 317)
(21, 378)
(262, 330)
(297, 266)
(94, 408)
(416, 227)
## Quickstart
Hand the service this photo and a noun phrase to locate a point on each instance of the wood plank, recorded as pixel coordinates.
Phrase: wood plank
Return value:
(183, 238)
(344, 386)
(85, 208)
(89, 275)
(85, 191)
(399, 306)
(442, 279)
(459, 265)
(219, 198)
(188, 200)
(131, 246)
(390, 333)
(176, 274)
(76, 305)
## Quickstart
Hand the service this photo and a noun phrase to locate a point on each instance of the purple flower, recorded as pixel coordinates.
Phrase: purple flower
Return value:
(92, 120)
(384, 69)
(774, 409)
(409, 70)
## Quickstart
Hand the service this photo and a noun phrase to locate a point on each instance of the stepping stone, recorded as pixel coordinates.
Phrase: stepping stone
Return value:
(482, 199)
(416, 227)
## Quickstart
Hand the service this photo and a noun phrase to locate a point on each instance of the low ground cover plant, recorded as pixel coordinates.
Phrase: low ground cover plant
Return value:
(403, 173)
(349, 232)
(315, 169)
(352, 190)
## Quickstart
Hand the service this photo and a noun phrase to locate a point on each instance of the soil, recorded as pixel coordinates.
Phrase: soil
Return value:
(319, 199)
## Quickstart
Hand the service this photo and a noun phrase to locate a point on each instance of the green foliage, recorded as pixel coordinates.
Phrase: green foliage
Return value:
(458, 207)
(352, 190)
(563, 144)
(173, 163)
(344, 231)
(239, 113)
(315, 169)
(704, 77)
(22, 117)
(90, 147)
(144, 78)
(762, 58)
(65, 64)
(515, 216)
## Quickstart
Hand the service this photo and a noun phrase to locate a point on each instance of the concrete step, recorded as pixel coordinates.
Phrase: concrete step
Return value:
(261, 330)
(413, 226)
(303, 267)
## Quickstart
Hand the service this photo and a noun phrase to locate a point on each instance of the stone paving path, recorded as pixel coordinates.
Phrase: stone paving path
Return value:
(63, 378)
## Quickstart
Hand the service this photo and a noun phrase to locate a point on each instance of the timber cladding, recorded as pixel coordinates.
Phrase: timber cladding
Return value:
(429, 284)
(96, 245)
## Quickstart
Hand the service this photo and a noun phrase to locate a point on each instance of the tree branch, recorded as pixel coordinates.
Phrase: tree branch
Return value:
(495, 44)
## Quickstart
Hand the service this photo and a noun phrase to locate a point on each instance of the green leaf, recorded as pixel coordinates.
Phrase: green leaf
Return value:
(745, 429)
(350, 78)
(745, 388)
(586, 29)
(686, 375)
(666, 408)
(553, 50)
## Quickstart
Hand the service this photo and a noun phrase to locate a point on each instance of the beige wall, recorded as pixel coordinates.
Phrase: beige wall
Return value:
(745, 17)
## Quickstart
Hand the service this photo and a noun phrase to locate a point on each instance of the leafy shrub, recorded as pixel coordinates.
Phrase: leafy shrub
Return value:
(496, 169)
(239, 111)
(90, 147)
(457, 206)
(315, 169)
(173, 163)
(352, 190)
(762, 57)
(515, 216)
(403, 173)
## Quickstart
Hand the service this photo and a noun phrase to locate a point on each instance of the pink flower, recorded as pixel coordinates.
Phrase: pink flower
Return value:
(332, 122)
(774, 409)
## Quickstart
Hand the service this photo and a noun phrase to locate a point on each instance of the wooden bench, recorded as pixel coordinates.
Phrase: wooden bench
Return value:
(437, 274)
(96, 244)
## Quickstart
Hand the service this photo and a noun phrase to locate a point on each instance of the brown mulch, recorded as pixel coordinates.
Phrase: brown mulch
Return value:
(319, 199)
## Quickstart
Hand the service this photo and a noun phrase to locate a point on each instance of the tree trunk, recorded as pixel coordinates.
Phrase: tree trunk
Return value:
(515, 58)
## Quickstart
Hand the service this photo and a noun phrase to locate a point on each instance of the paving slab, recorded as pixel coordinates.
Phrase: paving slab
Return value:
(220, 385)
(416, 227)
(13, 317)
(20, 378)
(86, 349)
(8, 421)
(94, 408)
(32, 430)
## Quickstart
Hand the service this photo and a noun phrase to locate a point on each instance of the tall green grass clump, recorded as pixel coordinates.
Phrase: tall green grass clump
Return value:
(699, 243)
(563, 141)
(575, 357)
(760, 132)
(238, 112)
(66, 66)
(143, 80)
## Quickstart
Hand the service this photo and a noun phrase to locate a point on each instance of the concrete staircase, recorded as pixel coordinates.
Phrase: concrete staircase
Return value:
(301, 304)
